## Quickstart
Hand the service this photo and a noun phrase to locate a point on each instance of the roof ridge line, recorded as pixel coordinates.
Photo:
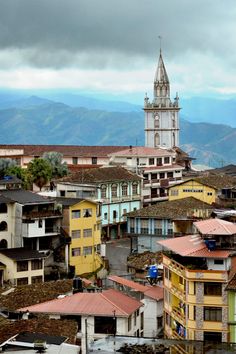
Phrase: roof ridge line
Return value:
(102, 294)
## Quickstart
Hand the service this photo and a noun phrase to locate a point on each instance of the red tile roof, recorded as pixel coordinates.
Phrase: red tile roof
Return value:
(97, 304)
(154, 292)
(144, 151)
(215, 227)
(192, 246)
(66, 150)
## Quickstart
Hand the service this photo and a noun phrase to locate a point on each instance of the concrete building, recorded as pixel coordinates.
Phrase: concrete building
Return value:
(97, 314)
(152, 299)
(21, 267)
(82, 225)
(197, 269)
(164, 220)
(117, 189)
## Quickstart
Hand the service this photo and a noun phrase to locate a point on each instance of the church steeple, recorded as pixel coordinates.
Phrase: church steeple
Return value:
(161, 93)
(162, 114)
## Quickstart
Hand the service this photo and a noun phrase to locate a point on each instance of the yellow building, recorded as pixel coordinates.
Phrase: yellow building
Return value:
(82, 222)
(196, 272)
(193, 188)
(20, 266)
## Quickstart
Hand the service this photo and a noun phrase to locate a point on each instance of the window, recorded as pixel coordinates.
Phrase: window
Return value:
(103, 191)
(76, 252)
(105, 325)
(22, 281)
(94, 160)
(3, 226)
(74, 160)
(114, 214)
(129, 323)
(135, 188)
(114, 190)
(3, 208)
(157, 121)
(124, 189)
(87, 233)
(62, 193)
(159, 321)
(212, 289)
(151, 161)
(174, 192)
(87, 250)
(40, 223)
(22, 266)
(3, 243)
(158, 231)
(153, 176)
(162, 175)
(105, 216)
(218, 261)
(166, 160)
(159, 161)
(124, 211)
(169, 174)
(36, 264)
(213, 314)
(170, 231)
(37, 279)
(75, 214)
(209, 193)
(144, 226)
(75, 234)
(87, 213)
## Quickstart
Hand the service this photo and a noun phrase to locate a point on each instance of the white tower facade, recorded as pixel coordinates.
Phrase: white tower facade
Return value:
(161, 115)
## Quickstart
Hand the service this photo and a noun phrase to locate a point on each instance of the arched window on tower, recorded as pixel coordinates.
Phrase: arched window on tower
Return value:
(157, 140)
(173, 120)
(157, 121)
(3, 226)
(3, 243)
(173, 139)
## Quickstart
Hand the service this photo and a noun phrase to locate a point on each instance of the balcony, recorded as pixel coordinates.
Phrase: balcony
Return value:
(42, 214)
(180, 294)
(179, 315)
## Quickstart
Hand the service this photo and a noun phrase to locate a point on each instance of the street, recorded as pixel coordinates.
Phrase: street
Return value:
(117, 252)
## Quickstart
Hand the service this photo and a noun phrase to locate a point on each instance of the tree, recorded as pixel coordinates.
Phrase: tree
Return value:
(59, 168)
(40, 172)
(20, 173)
(5, 164)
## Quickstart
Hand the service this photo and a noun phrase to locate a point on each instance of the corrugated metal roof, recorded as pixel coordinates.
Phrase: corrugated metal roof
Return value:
(97, 304)
(192, 246)
(215, 227)
(154, 292)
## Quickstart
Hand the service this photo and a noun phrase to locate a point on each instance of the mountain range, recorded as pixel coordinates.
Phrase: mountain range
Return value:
(73, 119)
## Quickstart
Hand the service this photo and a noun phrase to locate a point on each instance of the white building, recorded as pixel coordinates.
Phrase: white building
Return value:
(97, 314)
(161, 115)
(152, 299)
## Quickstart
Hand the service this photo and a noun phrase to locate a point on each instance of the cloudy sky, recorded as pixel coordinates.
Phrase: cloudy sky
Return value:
(113, 45)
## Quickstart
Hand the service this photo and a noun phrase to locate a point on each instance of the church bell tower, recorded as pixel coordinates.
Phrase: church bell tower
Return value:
(161, 115)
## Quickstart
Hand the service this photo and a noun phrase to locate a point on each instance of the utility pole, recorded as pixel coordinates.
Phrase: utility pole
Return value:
(86, 336)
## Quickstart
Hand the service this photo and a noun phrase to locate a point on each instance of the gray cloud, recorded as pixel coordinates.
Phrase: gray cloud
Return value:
(114, 33)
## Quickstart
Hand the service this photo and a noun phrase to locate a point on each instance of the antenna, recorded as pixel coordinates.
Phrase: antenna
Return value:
(160, 39)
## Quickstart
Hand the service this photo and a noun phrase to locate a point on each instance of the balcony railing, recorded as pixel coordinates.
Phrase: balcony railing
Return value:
(42, 214)
(178, 315)
(52, 229)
